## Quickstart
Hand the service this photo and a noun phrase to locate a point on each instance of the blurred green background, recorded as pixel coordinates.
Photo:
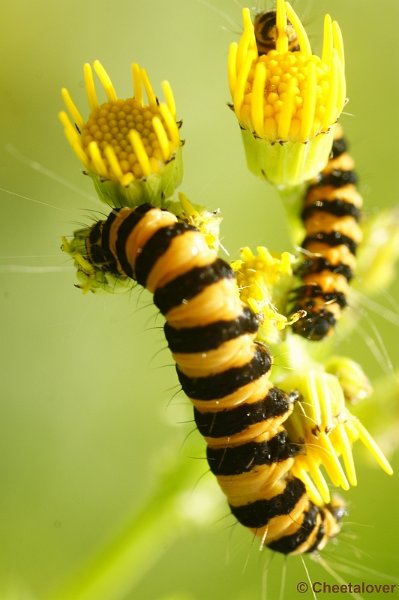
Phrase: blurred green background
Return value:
(89, 412)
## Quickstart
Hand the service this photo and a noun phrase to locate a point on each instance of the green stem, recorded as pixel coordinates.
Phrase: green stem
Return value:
(118, 568)
(292, 199)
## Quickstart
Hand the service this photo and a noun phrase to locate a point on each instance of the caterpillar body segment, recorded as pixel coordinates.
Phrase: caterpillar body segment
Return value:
(223, 370)
(330, 215)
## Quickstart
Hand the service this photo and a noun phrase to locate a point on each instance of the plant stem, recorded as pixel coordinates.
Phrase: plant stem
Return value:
(116, 570)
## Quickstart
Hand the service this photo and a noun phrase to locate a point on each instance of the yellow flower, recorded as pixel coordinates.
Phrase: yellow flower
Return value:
(260, 278)
(287, 101)
(131, 148)
(323, 425)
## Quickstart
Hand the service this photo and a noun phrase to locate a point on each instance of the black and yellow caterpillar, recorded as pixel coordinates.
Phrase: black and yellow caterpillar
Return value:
(266, 33)
(330, 215)
(222, 369)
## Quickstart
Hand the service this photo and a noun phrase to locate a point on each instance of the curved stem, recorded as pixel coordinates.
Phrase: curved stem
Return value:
(119, 566)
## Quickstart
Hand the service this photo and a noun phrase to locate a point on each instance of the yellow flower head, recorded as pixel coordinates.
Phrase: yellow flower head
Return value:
(324, 426)
(287, 100)
(131, 148)
(260, 278)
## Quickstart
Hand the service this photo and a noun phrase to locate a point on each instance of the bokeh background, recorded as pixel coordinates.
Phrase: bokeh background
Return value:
(90, 418)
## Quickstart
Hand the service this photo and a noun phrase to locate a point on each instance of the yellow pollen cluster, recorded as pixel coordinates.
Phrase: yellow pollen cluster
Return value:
(324, 426)
(123, 140)
(258, 276)
(284, 95)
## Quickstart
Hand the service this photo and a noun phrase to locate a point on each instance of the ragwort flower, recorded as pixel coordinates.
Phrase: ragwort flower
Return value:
(262, 279)
(131, 148)
(324, 425)
(287, 101)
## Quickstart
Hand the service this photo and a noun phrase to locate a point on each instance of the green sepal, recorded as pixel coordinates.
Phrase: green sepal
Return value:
(154, 188)
(287, 164)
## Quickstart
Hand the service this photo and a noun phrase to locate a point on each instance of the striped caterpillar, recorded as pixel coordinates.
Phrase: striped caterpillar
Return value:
(223, 371)
(331, 214)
